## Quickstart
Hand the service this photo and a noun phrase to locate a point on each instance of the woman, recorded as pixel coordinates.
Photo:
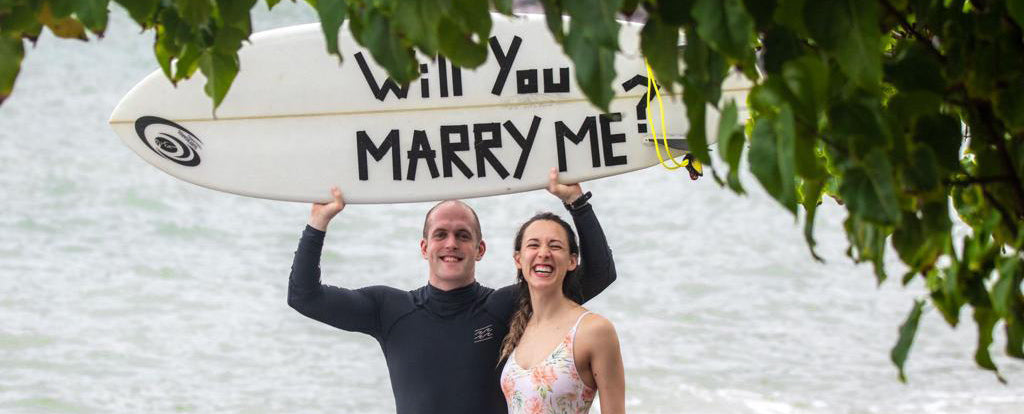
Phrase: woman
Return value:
(559, 355)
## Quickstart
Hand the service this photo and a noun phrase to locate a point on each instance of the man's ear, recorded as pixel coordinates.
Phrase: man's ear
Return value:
(423, 248)
(481, 250)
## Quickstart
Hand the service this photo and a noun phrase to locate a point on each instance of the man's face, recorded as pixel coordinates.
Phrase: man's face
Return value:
(451, 246)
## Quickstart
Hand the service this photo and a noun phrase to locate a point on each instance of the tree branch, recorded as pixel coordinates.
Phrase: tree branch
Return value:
(910, 29)
(978, 180)
(984, 110)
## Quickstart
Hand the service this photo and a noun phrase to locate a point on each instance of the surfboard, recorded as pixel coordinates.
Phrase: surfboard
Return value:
(296, 122)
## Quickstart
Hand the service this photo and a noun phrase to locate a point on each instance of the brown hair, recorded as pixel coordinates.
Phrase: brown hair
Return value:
(476, 220)
(524, 309)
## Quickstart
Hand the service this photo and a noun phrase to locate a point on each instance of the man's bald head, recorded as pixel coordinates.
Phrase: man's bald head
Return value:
(476, 220)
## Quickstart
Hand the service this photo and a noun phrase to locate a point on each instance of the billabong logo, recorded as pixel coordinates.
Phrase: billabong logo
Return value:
(170, 140)
(483, 334)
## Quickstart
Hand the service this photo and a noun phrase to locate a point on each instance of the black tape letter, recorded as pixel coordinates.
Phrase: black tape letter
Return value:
(483, 148)
(420, 149)
(589, 128)
(525, 143)
(505, 60)
(365, 145)
(448, 149)
(608, 138)
(379, 92)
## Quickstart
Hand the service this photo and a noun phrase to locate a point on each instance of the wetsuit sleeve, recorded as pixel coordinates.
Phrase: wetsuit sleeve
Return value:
(355, 310)
(595, 255)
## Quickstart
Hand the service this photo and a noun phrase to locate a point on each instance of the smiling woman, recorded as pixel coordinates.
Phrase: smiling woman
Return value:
(558, 358)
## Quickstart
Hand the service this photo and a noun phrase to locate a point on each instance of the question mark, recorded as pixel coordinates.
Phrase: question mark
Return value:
(641, 106)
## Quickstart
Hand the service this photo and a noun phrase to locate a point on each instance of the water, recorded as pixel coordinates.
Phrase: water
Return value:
(125, 290)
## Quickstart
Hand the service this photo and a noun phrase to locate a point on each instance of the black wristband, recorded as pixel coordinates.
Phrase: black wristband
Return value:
(579, 202)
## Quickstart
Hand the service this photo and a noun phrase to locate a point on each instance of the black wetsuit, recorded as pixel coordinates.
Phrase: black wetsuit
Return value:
(441, 347)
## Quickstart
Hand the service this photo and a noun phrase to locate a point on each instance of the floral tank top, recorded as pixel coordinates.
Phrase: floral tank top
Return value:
(552, 386)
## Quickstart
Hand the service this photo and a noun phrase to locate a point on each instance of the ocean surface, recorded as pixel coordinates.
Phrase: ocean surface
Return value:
(124, 290)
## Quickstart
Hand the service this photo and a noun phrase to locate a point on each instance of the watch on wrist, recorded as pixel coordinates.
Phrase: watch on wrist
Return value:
(579, 202)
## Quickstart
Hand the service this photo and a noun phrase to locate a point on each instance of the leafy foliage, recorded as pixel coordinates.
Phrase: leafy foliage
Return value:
(898, 109)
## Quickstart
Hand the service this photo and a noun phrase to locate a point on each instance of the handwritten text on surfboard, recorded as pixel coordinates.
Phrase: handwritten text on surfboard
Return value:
(456, 138)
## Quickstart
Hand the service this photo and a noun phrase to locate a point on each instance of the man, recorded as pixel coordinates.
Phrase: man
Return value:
(440, 341)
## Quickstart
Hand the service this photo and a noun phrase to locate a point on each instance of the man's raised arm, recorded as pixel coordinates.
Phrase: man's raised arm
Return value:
(352, 310)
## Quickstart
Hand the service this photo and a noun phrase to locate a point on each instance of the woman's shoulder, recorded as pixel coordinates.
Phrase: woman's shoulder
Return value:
(595, 326)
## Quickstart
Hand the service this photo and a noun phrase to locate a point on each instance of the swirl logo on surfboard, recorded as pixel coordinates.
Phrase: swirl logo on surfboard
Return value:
(170, 140)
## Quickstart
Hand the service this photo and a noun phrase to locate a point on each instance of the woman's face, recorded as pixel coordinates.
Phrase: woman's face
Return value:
(544, 256)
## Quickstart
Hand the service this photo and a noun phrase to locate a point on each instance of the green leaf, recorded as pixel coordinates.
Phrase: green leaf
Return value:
(908, 106)
(21, 19)
(914, 69)
(705, 69)
(731, 142)
(503, 6)
(780, 46)
(696, 114)
(659, 42)
(387, 48)
(60, 9)
(194, 12)
(867, 243)
(272, 3)
(1006, 291)
(1009, 105)
(811, 191)
(220, 71)
(332, 13)
(229, 40)
(142, 11)
(936, 221)
(420, 21)
(907, 332)
(676, 12)
(850, 30)
(235, 14)
(591, 45)
(807, 78)
(945, 294)
(61, 25)
(459, 47)
(868, 190)
(1016, 9)
(553, 11)
(761, 11)
(771, 159)
(472, 17)
(187, 61)
(726, 26)
(943, 135)
(858, 123)
(595, 21)
(93, 14)
(986, 320)
(767, 97)
(595, 69)
(790, 13)
(923, 174)
(12, 51)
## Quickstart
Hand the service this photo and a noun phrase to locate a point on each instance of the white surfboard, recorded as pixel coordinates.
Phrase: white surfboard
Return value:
(295, 122)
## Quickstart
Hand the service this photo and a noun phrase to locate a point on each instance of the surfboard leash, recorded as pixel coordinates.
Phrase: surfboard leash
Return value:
(691, 164)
